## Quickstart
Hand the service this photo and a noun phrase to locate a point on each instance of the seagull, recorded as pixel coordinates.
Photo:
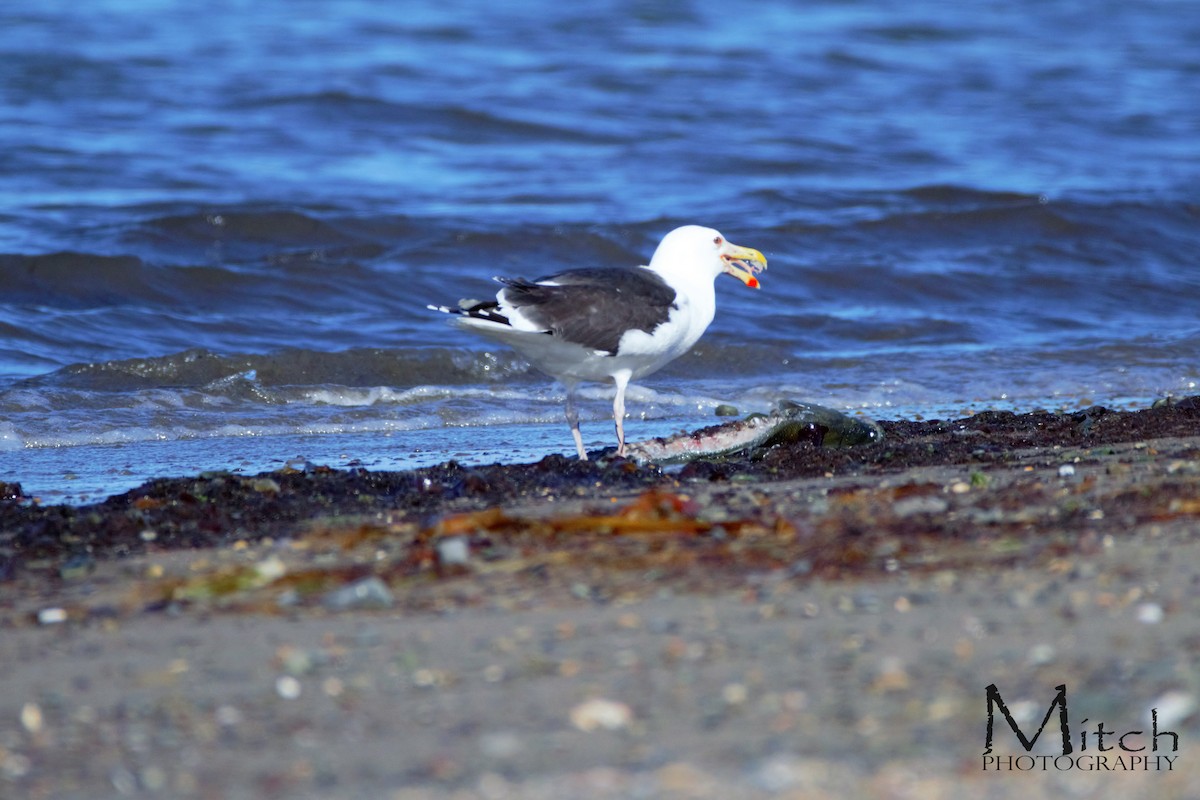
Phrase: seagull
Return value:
(613, 323)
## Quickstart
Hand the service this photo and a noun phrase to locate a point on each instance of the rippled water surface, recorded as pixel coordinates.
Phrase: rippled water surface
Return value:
(220, 224)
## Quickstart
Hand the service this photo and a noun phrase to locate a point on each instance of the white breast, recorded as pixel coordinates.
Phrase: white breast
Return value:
(649, 352)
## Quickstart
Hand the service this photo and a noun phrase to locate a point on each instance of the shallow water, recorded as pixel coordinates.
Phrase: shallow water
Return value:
(219, 230)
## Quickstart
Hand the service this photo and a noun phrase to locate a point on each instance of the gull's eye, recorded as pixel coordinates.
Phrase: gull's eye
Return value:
(718, 241)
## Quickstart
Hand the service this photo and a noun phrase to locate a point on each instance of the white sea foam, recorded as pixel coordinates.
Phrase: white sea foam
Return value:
(9, 438)
(109, 442)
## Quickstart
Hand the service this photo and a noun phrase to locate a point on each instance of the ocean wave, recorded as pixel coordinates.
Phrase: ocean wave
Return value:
(437, 121)
(42, 414)
(71, 280)
(271, 227)
(228, 374)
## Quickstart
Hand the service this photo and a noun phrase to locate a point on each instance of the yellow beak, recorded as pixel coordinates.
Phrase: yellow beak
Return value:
(743, 263)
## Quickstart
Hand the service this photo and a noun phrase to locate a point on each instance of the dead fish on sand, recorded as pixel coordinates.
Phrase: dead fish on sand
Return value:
(788, 422)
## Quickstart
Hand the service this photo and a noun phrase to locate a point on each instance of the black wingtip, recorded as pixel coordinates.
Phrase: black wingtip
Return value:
(474, 309)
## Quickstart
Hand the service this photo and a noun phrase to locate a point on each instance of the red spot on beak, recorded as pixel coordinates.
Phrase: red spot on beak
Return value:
(752, 283)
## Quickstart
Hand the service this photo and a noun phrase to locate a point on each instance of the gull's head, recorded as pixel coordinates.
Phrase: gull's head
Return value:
(695, 250)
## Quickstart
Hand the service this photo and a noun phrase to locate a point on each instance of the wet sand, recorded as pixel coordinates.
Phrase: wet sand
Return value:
(804, 623)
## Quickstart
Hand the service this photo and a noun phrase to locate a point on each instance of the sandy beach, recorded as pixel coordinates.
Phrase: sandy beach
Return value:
(801, 623)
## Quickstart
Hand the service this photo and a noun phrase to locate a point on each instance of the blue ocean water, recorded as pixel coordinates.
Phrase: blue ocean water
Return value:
(219, 225)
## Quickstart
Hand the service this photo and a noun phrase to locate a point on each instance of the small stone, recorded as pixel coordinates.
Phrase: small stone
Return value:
(1173, 707)
(1150, 613)
(51, 616)
(892, 676)
(367, 593)
(1066, 470)
(734, 694)
(266, 485)
(1041, 654)
(270, 569)
(598, 713)
(287, 687)
(31, 718)
(453, 551)
(942, 708)
(727, 410)
(430, 678)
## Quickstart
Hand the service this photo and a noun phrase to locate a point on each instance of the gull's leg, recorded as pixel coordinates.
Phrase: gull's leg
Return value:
(621, 379)
(573, 419)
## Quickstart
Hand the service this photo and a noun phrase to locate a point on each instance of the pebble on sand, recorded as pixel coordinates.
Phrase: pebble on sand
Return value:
(1150, 613)
(31, 718)
(453, 552)
(600, 712)
(51, 616)
(1173, 707)
(287, 687)
(365, 594)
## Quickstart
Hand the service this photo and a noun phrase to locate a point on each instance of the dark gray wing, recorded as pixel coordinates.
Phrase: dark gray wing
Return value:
(593, 307)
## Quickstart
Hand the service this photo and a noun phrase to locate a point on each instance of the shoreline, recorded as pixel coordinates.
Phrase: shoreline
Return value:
(221, 509)
(799, 621)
